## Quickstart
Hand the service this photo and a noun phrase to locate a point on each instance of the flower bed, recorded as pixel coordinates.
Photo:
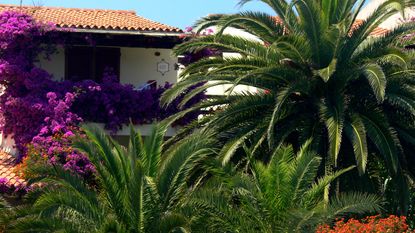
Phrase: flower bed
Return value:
(372, 224)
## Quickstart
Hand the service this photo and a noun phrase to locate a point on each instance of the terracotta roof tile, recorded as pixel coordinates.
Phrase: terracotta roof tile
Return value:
(376, 32)
(7, 165)
(92, 18)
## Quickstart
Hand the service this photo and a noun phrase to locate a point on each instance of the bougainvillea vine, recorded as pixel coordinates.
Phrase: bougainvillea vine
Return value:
(24, 104)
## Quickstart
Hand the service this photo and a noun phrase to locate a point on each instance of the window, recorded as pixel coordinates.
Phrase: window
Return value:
(91, 62)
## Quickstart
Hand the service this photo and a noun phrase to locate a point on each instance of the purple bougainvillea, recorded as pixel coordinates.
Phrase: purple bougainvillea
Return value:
(25, 102)
(22, 41)
(118, 104)
(55, 138)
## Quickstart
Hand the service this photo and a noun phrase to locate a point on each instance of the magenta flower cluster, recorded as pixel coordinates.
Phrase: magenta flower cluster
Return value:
(22, 41)
(118, 104)
(56, 136)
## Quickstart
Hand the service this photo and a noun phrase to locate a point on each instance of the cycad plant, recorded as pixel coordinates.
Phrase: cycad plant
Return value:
(319, 74)
(138, 190)
(285, 195)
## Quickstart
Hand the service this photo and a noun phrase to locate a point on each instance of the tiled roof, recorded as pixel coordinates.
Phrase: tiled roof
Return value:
(7, 165)
(376, 32)
(379, 32)
(91, 18)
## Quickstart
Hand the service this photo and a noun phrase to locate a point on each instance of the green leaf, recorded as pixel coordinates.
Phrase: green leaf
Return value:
(315, 193)
(229, 148)
(280, 101)
(327, 72)
(383, 139)
(356, 133)
(376, 78)
(359, 203)
(333, 116)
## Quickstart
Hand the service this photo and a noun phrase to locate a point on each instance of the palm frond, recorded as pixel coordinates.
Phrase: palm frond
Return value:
(353, 202)
(333, 116)
(356, 132)
(259, 24)
(382, 137)
(376, 78)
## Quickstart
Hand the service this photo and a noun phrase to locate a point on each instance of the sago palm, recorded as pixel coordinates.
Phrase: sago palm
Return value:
(139, 187)
(318, 73)
(285, 195)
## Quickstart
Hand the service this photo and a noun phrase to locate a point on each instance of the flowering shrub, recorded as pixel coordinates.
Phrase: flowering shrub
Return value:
(53, 143)
(22, 40)
(117, 103)
(56, 136)
(372, 224)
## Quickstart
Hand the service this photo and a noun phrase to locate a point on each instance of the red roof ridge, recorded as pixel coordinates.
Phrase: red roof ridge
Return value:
(152, 21)
(100, 19)
(69, 8)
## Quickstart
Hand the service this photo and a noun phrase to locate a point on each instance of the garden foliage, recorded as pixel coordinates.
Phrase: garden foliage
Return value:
(284, 195)
(323, 87)
(315, 71)
(140, 188)
(152, 187)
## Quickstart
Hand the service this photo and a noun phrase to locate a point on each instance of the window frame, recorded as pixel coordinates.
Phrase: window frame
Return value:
(93, 68)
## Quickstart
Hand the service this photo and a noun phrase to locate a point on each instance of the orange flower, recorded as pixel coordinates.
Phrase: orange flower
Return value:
(371, 224)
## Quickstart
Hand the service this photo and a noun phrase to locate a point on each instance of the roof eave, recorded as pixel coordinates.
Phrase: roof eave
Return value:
(127, 32)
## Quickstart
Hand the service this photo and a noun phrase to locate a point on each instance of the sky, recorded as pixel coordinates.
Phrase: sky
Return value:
(178, 13)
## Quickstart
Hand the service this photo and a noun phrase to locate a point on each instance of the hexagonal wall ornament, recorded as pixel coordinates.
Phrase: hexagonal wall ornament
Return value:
(163, 67)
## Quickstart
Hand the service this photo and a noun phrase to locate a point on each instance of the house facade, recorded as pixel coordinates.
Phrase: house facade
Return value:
(137, 50)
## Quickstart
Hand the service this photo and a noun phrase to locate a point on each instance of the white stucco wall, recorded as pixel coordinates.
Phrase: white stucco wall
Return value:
(224, 89)
(392, 22)
(55, 65)
(145, 129)
(137, 65)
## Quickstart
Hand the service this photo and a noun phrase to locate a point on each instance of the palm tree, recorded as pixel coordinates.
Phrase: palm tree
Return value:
(139, 187)
(281, 196)
(319, 74)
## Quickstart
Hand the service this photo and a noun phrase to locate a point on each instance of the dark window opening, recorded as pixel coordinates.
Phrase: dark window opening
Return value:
(91, 62)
